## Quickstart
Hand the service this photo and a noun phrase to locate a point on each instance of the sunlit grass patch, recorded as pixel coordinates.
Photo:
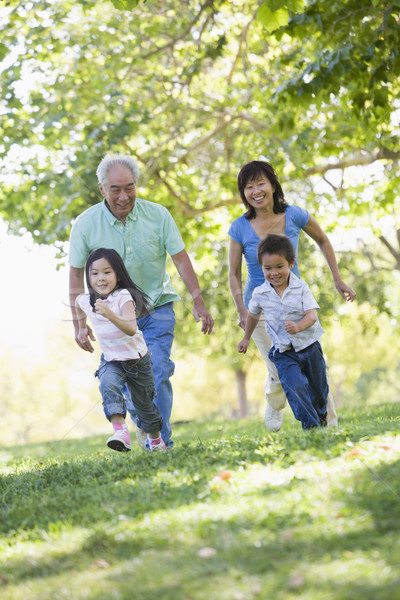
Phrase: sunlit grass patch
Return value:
(232, 512)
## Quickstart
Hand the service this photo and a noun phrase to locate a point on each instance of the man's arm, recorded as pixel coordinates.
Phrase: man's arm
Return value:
(185, 269)
(76, 287)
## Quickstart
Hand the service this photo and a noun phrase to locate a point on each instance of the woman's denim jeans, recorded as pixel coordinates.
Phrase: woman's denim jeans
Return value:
(303, 378)
(158, 331)
(137, 376)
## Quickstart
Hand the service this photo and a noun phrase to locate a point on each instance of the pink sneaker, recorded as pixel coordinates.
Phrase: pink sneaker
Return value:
(120, 441)
(157, 445)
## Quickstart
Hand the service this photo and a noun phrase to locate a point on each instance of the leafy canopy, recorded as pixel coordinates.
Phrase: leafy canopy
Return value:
(194, 90)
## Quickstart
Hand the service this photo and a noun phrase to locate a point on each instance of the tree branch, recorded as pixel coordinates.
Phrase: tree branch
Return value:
(172, 43)
(354, 161)
(392, 250)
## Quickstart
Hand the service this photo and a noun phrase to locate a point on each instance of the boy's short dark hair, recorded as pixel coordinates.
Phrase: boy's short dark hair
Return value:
(276, 243)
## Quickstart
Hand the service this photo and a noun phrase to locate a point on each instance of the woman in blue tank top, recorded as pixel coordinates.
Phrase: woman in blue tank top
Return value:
(267, 212)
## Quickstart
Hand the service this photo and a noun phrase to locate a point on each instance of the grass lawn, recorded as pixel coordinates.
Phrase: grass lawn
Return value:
(232, 513)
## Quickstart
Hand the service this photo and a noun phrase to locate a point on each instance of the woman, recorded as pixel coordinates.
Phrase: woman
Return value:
(267, 212)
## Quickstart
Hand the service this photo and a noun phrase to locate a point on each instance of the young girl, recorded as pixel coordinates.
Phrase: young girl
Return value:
(112, 304)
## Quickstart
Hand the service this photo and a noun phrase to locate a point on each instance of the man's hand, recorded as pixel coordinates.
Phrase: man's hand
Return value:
(200, 312)
(83, 338)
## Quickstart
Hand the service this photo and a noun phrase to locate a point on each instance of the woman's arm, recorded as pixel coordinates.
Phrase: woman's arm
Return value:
(126, 322)
(315, 232)
(235, 279)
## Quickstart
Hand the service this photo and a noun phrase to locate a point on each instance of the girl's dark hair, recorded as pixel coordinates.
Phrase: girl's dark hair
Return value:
(250, 172)
(124, 281)
(276, 243)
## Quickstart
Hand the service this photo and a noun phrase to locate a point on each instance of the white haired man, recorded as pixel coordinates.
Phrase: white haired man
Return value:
(142, 232)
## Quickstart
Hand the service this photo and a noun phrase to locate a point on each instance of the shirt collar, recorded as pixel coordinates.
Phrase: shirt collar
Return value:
(112, 219)
(133, 215)
(294, 282)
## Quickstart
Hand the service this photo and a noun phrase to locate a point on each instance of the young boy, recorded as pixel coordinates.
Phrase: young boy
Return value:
(291, 322)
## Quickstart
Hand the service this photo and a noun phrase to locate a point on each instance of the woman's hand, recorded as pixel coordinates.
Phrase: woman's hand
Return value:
(243, 345)
(345, 291)
(242, 318)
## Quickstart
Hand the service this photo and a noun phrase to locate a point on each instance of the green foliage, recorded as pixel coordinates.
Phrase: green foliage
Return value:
(231, 510)
(126, 4)
(193, 98)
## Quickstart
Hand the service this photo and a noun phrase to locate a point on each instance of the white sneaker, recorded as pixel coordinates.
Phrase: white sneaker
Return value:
(273, 418)
(141, 437)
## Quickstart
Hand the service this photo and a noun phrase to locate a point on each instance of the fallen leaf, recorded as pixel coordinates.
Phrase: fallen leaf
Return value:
(354, 452)
(225, 475)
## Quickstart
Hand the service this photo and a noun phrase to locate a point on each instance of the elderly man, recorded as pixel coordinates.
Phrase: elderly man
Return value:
(142, 232)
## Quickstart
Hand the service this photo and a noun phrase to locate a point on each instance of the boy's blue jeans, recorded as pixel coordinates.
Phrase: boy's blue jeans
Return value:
(137, 376)
(303, 378)
(158, 331)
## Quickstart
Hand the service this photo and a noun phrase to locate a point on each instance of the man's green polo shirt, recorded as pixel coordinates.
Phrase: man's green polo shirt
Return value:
(150, 232)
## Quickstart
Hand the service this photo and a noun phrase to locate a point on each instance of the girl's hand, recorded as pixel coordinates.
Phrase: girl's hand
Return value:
(102, 308)
(243, 345)
(291, 327)
(345, 291)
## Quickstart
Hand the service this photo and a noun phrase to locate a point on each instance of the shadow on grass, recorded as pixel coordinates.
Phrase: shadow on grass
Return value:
(368, 555)
(86, 489)
(98, 491)
(250, 548)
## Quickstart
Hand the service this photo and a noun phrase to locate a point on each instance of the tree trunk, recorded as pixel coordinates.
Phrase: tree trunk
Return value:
(242, 395)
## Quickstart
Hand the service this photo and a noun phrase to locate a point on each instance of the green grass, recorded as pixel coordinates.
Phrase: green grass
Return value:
(232, 513)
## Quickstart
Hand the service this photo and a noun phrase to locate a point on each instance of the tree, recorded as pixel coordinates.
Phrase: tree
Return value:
(193, 98)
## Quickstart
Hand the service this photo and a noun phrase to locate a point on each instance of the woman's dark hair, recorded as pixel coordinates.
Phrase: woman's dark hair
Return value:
(250, 172)
(276, 243)
(124, 281)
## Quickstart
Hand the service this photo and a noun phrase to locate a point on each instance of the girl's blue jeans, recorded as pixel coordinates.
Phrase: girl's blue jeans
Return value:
(137, 376)
(303, 378)
(158, 328)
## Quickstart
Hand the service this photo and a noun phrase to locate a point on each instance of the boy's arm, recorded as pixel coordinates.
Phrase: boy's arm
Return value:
(309, 319)
(251, 324)
(126, 322)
